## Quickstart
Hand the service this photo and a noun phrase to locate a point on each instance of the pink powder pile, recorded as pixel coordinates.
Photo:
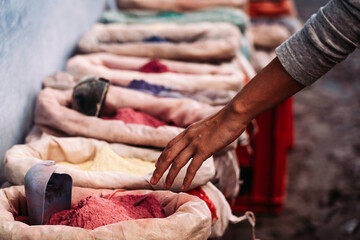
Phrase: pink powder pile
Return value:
(24, 219)
(154, 66)
(93, 211)
(129, 115)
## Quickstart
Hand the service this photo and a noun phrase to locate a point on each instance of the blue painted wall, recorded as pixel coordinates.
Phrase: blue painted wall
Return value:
(36, 39)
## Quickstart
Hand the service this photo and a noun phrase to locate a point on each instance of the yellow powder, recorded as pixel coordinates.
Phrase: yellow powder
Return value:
(107, 160)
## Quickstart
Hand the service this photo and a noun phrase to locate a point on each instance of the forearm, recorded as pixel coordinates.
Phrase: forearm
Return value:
(267, 89)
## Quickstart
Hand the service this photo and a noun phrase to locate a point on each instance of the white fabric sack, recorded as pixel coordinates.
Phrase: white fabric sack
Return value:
(60, 80)
(113, 61)
(261, 58)
(269, 36)
(227, 173)
(190, 42)
(223, 211)
(64, 81)
(187, 218)
(53, 116)
(20, 158)
(188, 77)
(178, 5)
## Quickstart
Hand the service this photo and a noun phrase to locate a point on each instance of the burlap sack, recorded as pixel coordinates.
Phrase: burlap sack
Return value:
(191, 42)
(186, 77)
(53, 115)
(20, 158)
(187, 218)
(178, 5)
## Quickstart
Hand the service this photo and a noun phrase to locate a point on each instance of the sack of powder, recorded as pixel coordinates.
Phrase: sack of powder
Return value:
(77, 150)
(191, 42)
(186, 217)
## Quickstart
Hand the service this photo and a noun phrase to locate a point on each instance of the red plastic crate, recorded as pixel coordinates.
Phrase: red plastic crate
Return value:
(271, 8)
(264, 173)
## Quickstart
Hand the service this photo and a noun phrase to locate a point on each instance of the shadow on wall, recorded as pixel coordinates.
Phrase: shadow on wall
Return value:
(36, 39)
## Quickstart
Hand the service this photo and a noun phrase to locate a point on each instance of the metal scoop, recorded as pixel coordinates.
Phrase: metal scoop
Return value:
(89, 96)
(47, 192)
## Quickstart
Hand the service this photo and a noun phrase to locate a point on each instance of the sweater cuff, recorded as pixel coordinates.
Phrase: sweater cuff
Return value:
(288, 58)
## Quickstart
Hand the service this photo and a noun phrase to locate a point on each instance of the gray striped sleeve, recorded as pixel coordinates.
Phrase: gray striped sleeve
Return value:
(326, 39)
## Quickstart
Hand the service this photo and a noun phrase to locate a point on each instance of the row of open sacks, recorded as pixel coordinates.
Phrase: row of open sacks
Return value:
(54, 115)
(257, 39)
(203, 87)
(186, 216)
(198, 41)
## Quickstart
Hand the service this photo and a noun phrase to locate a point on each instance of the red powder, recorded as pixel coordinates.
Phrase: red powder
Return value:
(129, 115)
(24, 219)
(154, 66)
(93, 211)
(199, 192)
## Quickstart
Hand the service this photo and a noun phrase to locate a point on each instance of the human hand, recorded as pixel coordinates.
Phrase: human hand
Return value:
(199, 141)
(204, 138)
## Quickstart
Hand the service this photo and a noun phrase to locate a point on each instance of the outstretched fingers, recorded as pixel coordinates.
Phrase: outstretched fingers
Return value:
(170, 152)
(178, 163)
(192, 169)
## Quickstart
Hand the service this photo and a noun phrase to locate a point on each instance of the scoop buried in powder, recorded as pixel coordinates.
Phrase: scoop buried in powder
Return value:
(93, 211)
